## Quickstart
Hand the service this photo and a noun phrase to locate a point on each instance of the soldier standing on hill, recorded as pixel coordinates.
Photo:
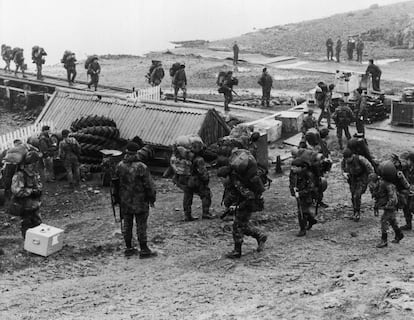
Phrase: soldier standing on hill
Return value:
(329, 49)
(359, 49)
(94, 70)
(180, 82)
(338, 49)
(343, 116)
(375, 73)
(265, 82)
(235, 54)
(136, 193)
(350, 46)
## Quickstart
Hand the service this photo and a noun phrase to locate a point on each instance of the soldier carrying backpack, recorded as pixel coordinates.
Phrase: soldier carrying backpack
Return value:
(343, 116)
(226, 81)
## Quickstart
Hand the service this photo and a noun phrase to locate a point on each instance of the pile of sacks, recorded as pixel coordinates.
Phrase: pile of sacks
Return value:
(184, 150)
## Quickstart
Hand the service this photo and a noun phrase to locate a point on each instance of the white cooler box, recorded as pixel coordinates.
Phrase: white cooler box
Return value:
(43, 240)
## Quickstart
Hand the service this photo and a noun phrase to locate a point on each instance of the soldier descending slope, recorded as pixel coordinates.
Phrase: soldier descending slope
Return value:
(136, 193)
(356, 170)
(243, 196)
(69, 63)
(343, 116)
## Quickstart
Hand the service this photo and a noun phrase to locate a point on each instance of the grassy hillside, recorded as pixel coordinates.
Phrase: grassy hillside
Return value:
(386, 30)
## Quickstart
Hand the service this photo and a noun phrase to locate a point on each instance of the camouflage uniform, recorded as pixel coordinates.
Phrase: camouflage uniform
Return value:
(180, 82)
(304, 182)
(69, 151)
(26, 190)
(309, 122)
(343, 117)
(94, 71)
(386, 198)
(47, 148)
(196, 183)
(358, 171)
(247, 200)
(137, 192)
(266, 83)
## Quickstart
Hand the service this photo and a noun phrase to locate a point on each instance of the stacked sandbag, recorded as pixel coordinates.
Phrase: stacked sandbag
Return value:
(95, 133)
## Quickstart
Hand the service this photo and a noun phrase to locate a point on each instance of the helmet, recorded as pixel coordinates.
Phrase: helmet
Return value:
(387, 171)
(31, 157)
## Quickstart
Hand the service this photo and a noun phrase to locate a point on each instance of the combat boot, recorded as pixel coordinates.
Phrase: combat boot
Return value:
(407, 227)
(357, 216)
(207, 216)
(130, 252)
(383, 242)
(261, 243)
(311, 222)
(189, 217)
(398, 236)
(301, 233)
(236, 253)
(145, 251)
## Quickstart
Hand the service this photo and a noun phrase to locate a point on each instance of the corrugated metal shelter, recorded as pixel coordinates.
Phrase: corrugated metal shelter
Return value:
(156, 125)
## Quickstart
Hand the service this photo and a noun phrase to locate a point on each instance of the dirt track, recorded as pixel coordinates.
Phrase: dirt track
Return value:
(334, 273)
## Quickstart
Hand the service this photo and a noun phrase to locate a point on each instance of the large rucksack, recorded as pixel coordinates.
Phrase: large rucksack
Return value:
(174, 68)
(89, 60)
(220, 78)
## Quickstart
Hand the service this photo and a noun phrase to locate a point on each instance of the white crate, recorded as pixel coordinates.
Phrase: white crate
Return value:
(43, 240)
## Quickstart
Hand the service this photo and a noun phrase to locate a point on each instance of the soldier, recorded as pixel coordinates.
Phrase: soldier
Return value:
(350, 46)
(385, 195)
(235, 54)
(195, 183)
(329, 49)
(69, 152)
(6, 54)
(375, 73)
(302, 187)
(338, 49)
(356, 170)
(47, 148)
(136, 194)
(265, 82)
(157, 73)
(94, 70)
(180, 82)
(227, 89)
(309, 122)
(359, 49)
(360, 110)
(325, 104)
(69, 63)
(245, 198)
(26, 191)
(37, 56)
(343, 116)
(18, 59)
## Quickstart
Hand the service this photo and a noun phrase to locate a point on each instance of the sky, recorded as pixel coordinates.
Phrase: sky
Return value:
(139, 26)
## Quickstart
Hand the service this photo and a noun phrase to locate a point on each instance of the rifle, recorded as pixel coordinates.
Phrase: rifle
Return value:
(114, 192)
(298, 203)
(235, 93)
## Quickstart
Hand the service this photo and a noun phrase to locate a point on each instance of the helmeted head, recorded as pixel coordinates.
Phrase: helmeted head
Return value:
(255, 136)
(132, 147)
(264, 70)
(371, 61)
(223, 172)
(348, 155)
(230, 73)
(65, 133)
(310, 112)
(45, 128)
(323, 133)
(182, 66)
(299, 165)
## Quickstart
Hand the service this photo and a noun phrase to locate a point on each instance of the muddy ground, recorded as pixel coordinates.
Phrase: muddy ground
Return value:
(335, 272)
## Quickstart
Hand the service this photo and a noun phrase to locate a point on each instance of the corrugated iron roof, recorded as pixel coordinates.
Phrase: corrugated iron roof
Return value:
(157, 125)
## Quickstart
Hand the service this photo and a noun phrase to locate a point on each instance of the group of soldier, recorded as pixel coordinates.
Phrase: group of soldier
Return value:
(351, 45)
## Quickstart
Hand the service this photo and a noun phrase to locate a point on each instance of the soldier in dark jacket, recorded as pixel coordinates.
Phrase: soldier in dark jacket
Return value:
(69, 152)
(302, 187)
(375, 73)
(94, 70)
(18, 59)
(309, 122)
(266, 83)
(329, 49)
(386, 198)
(47, 148)
(360, 111)
(235, 54)
(356, 170)
(38, 54)
(180, 82)
(69, 63)
(338, 48)
(136, 194)
(359, 49)
(343, 116)
(243, 199)
(350, 47)
(6, 54)
(227, 89)
(157, 73)
(196, 183)
(26, 191)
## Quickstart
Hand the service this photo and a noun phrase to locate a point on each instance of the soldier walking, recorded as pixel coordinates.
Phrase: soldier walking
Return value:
(343, 116)
(38, 54)
(226, 87)
(156, 73)
(6, 54)
(69, 152)
(94, 70)
(18, 59)
(266, 83)
(245, 199)
(136, 194)
(69, 63)
(356, 170)
(302, 187)
(47, 148)
(180, 82)
(26, 191)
